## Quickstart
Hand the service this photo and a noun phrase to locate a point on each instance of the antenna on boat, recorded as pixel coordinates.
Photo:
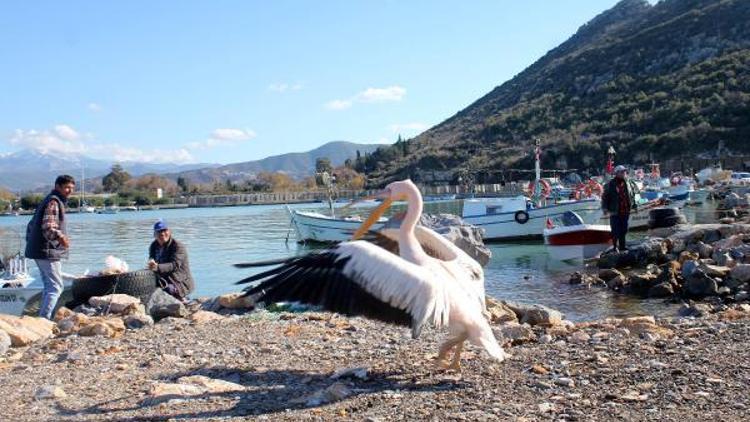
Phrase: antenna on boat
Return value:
(537, 195)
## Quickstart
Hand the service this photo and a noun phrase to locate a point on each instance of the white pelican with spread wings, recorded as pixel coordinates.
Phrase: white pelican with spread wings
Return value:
(409, 276)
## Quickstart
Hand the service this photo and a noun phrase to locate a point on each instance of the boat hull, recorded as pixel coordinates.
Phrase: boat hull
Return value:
(504, 226)
(314, 227)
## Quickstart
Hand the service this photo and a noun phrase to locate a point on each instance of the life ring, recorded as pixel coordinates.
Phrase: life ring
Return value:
(546, 188)
(594, 188)
(522, 217)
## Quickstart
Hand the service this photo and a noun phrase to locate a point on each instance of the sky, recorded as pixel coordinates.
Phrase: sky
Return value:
(229, 81)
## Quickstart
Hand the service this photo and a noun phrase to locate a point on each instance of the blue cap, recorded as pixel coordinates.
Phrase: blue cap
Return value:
(160, 225)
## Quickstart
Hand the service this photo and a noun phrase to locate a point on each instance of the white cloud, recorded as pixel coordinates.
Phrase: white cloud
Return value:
(285, 87)
(62, 138)
(67, 133)
(412, 127)
(338, 104)
(94, 107)
(369, 95)
(380, 95)
(223, 136)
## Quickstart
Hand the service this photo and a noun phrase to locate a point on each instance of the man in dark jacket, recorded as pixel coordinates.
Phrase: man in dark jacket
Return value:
(169, 259)
(618, 200)
(47, 242)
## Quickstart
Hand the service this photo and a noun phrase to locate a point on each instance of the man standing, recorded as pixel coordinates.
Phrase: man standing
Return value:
(169, 259)
(47, 242)
(618, 200)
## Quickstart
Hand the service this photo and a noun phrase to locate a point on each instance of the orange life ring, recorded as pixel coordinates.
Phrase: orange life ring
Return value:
(595, 188)
(546, 188)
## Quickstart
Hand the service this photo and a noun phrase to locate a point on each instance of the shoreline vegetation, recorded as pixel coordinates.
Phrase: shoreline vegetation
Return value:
(278, 363)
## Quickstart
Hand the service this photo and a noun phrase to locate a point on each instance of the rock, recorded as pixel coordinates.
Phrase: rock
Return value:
(49, 392)
(359, 373)
(661, 290)
(4, 342)
(579, 337)
(729, 243)
(608, 274)
(211, 385)
(335, 392)
(161, 305)
(641, 283)
(727, 220)
(688, 256)
(715, 270)
(467, 237)
(201, 317)
(696, 310)
(703, 250)
(62, 313)
(741, 272)
(645, 325)
(724, 259)
(102, 327)
(72, 323)
(535, 314)
(26, 330)
(700, 284)
(742, 296)
(514, 334)
(137, 321)
(115, 303)
(565, 382)
(688, 268)
(236, 301)
(617, 282)
(498, 312)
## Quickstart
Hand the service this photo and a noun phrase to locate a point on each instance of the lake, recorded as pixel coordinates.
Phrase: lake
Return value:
(216, 238)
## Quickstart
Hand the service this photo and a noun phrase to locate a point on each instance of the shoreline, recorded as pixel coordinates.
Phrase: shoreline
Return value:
(293, 366)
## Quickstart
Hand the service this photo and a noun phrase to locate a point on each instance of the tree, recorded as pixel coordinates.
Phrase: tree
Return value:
(116, 179)
(323, 164)
(183, 184)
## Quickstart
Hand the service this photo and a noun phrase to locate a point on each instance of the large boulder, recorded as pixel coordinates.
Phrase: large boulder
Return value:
(498, 312)
(162, 305)
(661, 290)
(535, 314)
(115, 303)
(26, 330)
(741, 272)
(701, 284)
(235, 301)
(466, 236)
(102, 327)
(649, 251)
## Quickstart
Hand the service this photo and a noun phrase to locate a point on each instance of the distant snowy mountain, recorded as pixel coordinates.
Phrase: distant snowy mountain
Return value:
(33, 170)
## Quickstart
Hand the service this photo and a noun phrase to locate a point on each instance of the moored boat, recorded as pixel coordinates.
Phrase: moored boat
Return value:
(317, 227)
(568, 237)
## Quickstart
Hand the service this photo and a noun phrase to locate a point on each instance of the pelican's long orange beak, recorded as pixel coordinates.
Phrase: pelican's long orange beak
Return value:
(373, 218)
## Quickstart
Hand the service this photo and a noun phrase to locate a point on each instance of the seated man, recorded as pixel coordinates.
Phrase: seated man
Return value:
(168, 258)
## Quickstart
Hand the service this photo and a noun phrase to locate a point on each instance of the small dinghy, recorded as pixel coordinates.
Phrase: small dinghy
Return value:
(568, 237)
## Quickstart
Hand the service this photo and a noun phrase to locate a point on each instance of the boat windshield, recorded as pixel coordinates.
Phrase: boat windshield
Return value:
(569, 218)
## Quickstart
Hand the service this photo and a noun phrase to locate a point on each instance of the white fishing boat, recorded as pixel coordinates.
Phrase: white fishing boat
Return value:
(114, 209)
(518, 218)
(569, 238)
(317, 227)
(20, 292)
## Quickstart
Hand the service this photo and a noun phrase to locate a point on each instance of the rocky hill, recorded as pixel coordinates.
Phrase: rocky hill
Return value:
(297, 164)
(656, 81)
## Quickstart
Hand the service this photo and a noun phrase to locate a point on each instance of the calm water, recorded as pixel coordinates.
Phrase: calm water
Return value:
(219, 237)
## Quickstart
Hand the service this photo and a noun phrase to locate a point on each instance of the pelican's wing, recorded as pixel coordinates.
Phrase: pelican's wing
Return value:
(358, 278)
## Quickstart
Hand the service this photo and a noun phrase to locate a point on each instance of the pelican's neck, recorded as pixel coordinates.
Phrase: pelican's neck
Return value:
(408, 243)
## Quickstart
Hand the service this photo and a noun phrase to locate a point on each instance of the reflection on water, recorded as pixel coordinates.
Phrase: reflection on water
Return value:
(219, 237)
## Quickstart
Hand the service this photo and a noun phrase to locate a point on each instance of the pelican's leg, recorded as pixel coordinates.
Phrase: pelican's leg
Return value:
(456, 362)
(441, 362)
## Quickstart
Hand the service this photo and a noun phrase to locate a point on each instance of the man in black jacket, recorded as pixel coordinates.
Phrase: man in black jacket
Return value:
(47, 242)
(618, 200)
(169, 259)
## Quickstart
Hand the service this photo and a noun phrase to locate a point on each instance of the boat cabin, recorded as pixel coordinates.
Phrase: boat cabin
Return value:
(493, 206)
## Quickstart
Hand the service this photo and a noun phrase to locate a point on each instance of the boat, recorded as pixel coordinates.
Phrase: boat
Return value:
(518, 218)
(317, 227)
(15, 286)
(114, 209)
(568, 237)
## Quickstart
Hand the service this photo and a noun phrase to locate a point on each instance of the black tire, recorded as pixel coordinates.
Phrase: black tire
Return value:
(657, 214)
(522, 217)
(140, 284)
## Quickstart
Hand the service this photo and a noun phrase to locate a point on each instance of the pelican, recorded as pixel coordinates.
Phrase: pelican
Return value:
(409, 276)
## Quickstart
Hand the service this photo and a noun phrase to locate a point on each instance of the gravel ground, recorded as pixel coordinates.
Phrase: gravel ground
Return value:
(282, 360)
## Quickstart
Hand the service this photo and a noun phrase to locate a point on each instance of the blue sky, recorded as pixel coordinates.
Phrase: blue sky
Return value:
(230, 81)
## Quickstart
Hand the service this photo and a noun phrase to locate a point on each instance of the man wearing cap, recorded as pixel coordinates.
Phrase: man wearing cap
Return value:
(618, 199)
(169, 259)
